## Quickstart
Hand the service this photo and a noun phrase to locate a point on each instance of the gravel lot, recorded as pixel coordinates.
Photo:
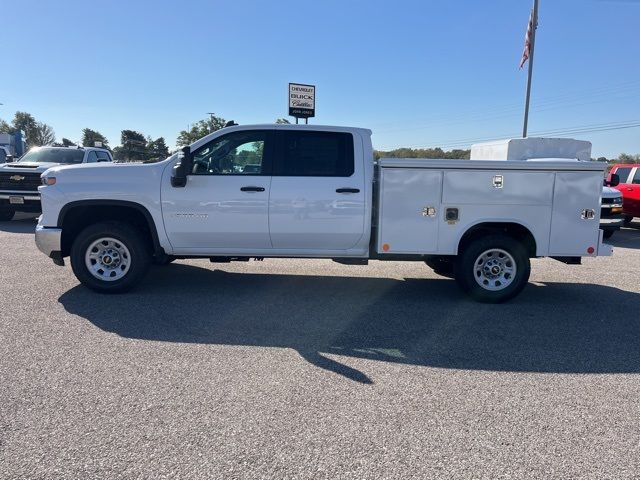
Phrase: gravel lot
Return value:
(310, 369)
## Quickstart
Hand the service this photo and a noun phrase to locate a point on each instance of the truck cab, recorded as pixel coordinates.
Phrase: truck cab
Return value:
(629, 187)
(5, 155)
(19, 181)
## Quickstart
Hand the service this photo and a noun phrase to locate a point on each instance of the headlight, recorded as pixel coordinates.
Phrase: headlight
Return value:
(617, 200)
(48, 180)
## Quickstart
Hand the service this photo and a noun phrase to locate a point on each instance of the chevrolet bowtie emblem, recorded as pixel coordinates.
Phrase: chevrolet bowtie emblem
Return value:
(16, 178)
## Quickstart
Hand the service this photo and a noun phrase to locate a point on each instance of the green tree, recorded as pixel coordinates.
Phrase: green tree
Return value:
(90, 137)
(626, 158)
(133, 147)
(5, 127)
(157, 149)
(199, 130)
(65, 142)
(27, 123)
(41, 134)
(423, 153)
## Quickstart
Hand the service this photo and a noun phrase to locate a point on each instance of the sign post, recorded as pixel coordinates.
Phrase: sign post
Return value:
(302, 101)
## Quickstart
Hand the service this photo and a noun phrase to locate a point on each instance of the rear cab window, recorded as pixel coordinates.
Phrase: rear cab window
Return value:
(103, 156)
(314, 154)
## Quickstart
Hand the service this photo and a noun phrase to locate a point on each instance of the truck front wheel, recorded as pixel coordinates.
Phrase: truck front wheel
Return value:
(493, 269)
(110, 257)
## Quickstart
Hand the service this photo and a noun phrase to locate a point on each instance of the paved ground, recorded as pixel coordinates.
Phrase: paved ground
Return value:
(310, 369)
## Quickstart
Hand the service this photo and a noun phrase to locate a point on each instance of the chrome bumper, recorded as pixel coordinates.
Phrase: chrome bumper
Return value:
(611, 222)
(49, 242)
(24, 195)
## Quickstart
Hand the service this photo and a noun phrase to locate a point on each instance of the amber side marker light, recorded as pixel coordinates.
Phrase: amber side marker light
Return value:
(48, 180)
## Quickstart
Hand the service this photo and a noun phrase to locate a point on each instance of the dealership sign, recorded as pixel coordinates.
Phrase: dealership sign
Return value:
(302, 100)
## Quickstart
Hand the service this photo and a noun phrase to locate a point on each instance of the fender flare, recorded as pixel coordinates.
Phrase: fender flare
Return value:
(115, 203)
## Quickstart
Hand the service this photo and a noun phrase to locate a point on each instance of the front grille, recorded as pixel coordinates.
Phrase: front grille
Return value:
(22, 181)
(606, 201)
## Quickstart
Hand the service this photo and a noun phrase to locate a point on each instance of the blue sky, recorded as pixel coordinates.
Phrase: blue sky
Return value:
(418, 73)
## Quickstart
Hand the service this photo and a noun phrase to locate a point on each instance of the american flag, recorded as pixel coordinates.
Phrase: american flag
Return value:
(527, 41)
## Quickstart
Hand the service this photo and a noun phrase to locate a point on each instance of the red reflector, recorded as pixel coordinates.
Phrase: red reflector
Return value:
(590, 250)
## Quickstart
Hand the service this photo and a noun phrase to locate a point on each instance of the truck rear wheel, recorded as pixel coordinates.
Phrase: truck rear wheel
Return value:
(110, 257)
(6, 215)
(493, 269)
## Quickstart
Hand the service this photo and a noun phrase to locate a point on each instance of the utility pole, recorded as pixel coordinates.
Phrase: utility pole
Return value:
(534, 15)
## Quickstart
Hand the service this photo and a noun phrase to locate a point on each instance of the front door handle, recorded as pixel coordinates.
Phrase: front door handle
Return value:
(347, 190)
(252, 189)
(629, 189)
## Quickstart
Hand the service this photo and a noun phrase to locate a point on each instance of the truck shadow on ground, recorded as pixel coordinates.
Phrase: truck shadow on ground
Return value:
(561, 328)
(626, 237)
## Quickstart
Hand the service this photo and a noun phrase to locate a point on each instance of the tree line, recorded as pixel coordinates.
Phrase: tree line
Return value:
(135, 146)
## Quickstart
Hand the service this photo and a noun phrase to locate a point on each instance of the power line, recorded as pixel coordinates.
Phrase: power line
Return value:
(558, 132)
(567, 99)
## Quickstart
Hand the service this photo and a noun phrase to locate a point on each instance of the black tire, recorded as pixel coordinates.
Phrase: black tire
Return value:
(442, 266)
(607, 233)
(131, 238)
(465, 268)
(627, 220)
(6, 215)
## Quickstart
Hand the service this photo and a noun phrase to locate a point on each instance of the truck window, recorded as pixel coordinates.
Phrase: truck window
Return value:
(3, 155)
(237, 153)
(623, 173)
(92, 157)
(314, 154)
(636, 177)
(104, 156)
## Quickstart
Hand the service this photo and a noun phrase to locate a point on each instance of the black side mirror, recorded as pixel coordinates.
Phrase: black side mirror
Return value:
(182, 169)
(613, 181)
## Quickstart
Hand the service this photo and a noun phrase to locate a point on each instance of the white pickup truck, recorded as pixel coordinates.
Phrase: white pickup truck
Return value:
(19, 181)
(315, 192)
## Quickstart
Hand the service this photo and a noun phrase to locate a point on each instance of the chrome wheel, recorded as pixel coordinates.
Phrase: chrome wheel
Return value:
(494, 269)
(108, 259)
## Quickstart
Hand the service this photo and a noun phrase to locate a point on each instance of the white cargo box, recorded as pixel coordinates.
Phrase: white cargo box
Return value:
(548, 198)
(528, 148)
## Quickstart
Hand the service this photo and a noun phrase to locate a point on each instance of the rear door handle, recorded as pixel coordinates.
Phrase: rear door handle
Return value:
(347, 190)
(252, 189)
(629, 189)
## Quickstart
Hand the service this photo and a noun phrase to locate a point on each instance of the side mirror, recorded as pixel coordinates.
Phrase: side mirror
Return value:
(614, 180)
(182, 169)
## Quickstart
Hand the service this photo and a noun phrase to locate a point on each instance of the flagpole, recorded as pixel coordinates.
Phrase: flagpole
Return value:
(533, 45)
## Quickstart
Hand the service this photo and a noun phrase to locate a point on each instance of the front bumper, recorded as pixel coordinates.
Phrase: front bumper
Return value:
(49, 242)
(31, 202)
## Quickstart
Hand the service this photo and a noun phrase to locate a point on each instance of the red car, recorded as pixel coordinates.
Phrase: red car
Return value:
(629, 186)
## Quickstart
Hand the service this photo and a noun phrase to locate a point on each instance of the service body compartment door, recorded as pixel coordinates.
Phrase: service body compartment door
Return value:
(572, 232)
(410, 210)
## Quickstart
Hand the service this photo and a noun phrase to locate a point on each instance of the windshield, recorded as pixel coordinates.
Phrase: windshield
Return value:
(53, 155)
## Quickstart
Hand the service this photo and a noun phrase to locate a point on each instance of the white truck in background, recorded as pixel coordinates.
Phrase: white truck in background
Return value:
(19, 181)
(316, 192)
